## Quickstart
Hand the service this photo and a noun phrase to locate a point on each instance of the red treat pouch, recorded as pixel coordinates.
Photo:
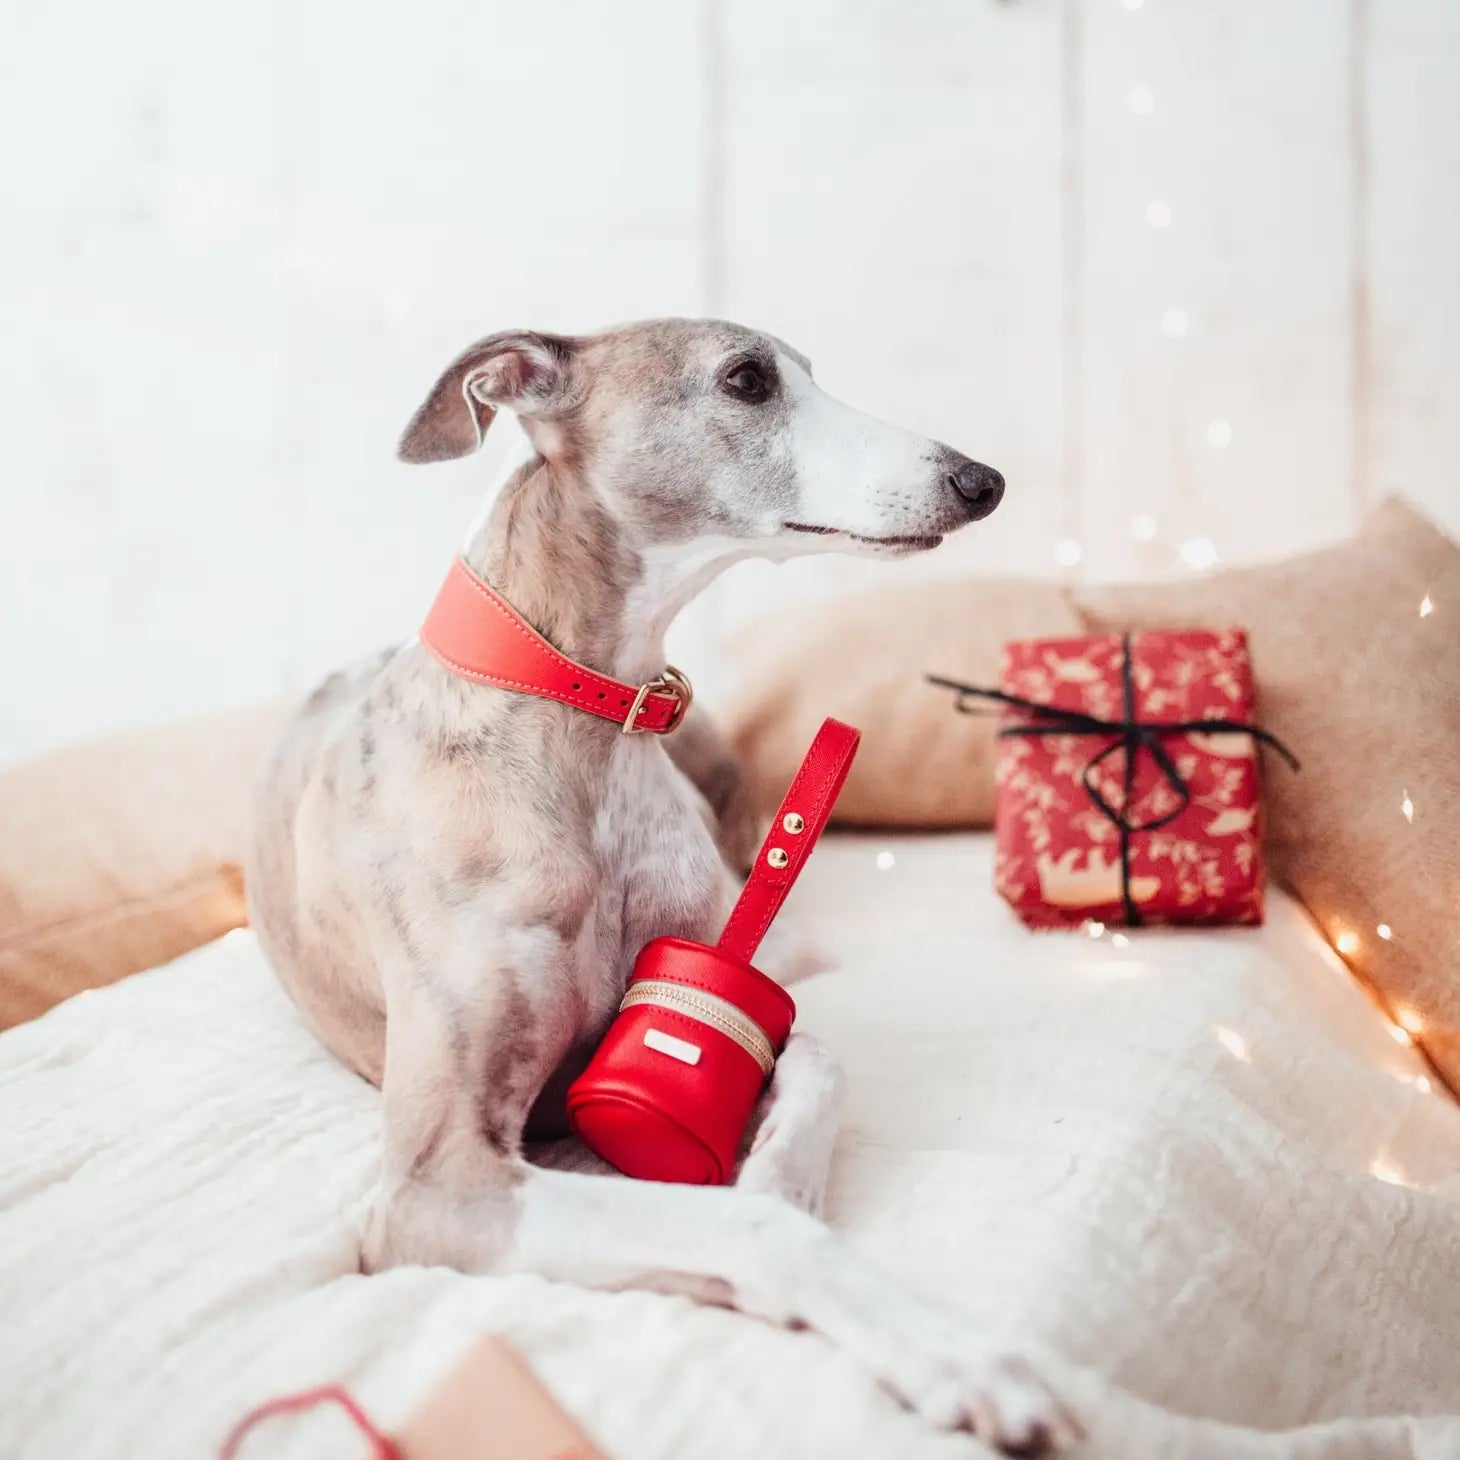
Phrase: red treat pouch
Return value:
(670, 1090)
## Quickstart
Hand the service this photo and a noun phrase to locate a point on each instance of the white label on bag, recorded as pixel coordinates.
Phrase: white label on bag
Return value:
(680, 1049)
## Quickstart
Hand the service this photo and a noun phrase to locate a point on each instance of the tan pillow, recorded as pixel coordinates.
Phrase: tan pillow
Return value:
(862, 658)
(1367, 693)
(123, 853)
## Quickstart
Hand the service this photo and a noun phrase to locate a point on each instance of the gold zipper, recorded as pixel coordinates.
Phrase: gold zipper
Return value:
(709, 1009)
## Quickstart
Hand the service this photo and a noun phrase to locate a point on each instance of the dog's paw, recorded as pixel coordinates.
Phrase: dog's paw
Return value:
(951, 1374)
(998, 1396)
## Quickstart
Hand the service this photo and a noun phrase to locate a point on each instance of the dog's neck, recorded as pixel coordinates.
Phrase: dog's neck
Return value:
(552, 548)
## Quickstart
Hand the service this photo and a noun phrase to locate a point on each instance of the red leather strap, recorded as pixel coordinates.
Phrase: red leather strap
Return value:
(812, 795)
(477, 634)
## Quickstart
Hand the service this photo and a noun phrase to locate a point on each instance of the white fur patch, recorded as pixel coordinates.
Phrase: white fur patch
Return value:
(855, 473)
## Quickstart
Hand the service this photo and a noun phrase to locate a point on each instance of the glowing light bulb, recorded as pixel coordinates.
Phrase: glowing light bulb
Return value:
(1067, 552)
(1219, 435)
(1406, 807)
(1140, 101)
(1095, 930)
(885, 860)
(1143, 527)
(1234, 1044)
(1158, 213)
(1198, 553)
(1347, 942)
(1175, 323)
(1384, 931)
(1426, 606)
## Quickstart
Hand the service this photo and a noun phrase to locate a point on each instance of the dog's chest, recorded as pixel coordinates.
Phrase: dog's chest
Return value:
(660, 871)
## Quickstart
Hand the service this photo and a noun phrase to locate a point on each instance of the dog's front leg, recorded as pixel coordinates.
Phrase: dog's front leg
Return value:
(477, 1021)
(756, 1253)
(795, 1125)
(455, 1190)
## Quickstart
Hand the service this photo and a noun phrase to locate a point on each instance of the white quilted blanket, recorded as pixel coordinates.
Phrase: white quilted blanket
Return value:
(1158, 1159)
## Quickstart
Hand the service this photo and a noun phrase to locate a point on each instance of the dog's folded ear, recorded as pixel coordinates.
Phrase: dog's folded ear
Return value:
(525, 371)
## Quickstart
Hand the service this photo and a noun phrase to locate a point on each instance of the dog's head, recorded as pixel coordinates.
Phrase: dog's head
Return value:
(696, 430)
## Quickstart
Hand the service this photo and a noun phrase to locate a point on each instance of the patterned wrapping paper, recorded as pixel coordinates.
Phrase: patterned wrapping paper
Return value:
(1058, 859)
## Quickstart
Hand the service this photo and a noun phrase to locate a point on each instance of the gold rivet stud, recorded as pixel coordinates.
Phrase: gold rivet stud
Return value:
(777, 857)
(794, 823)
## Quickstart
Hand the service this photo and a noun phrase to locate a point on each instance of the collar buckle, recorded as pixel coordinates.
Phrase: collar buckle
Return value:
(671, 681)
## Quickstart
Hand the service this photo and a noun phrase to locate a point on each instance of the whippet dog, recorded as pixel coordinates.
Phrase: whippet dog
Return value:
(452, 880)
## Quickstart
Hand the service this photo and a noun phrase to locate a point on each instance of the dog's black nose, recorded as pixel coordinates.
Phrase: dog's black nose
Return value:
(980, 487)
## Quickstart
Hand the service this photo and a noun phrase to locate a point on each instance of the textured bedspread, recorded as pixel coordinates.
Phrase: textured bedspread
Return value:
(1157, 1160)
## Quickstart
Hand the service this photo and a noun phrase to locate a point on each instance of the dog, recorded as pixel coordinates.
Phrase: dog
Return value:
(452, 879)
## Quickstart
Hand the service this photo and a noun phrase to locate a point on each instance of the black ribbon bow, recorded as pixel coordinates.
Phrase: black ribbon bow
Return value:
(1129, 735)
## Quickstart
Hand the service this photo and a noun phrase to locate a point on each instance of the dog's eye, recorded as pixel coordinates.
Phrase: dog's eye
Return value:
(748, 381)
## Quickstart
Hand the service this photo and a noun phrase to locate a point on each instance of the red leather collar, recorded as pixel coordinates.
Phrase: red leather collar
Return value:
(477, 634)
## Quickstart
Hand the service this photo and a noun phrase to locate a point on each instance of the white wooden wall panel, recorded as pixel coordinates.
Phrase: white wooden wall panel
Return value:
(1412, 222)
(240, 242)
(1234, 118)
(141, 315)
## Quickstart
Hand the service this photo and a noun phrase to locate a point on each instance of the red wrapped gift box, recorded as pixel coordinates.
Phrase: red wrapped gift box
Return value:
(1114, 807)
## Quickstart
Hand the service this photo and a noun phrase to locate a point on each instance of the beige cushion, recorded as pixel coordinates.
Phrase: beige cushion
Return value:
(1367, 693)
(123, 853)
(862, 658)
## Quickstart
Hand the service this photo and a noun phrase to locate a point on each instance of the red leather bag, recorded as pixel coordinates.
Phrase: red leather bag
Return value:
(670, 1090)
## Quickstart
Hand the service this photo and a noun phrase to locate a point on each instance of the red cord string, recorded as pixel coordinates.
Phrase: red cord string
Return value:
(382, 1447)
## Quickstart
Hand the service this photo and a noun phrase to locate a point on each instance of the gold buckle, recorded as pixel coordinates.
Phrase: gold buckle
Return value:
(671, 682)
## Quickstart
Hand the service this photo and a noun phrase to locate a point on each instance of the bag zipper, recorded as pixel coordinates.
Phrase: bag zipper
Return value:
(708, 1009)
